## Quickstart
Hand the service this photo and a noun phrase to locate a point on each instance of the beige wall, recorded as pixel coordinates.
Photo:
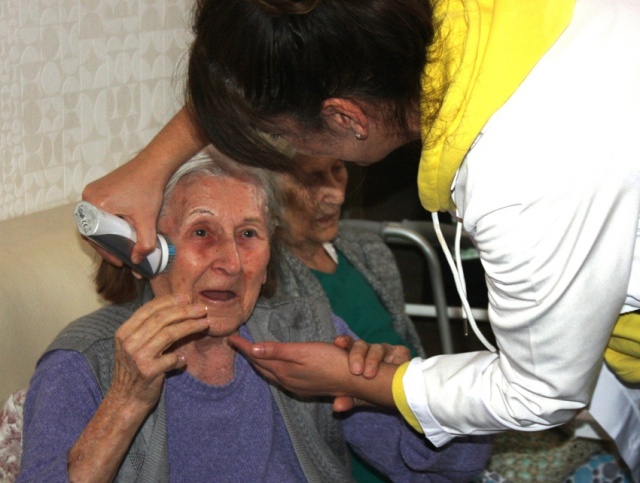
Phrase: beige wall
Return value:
(84, 84)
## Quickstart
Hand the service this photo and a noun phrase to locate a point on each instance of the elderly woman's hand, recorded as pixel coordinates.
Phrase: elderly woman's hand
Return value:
(142, 355)
(365, 358)
(142, 358)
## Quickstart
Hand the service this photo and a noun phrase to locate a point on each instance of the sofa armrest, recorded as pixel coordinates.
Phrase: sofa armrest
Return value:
(46, 282)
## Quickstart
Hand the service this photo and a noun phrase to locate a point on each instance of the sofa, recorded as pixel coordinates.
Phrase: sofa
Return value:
(46, 282)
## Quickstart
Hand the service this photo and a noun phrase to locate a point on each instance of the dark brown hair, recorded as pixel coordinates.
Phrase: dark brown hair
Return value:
(254, 60)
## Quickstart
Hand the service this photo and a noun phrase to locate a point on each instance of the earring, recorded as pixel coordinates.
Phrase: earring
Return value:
(359, 136)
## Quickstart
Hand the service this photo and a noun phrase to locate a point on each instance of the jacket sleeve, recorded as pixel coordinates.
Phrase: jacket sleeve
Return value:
(558, 258)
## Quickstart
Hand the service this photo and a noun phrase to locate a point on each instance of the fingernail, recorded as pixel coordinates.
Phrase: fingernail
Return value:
(257, 350)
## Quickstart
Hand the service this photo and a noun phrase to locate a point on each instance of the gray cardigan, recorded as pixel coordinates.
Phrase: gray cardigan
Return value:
(316, 434)
(373, 259)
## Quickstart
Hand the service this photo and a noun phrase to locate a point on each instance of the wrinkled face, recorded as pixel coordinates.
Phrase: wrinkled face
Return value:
(314, 204)
(219, 230)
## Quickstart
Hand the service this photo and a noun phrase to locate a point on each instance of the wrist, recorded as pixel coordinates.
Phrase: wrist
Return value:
(377, 390)
(98, 452)
(124, 411)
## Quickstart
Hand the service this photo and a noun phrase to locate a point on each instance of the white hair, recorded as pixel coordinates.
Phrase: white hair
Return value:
(209, 162)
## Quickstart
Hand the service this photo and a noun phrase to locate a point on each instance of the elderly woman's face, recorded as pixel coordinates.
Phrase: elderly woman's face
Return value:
(218, 228)
(314, 205)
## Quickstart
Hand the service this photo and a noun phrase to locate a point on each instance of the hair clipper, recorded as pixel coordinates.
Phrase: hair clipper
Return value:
(118, 237)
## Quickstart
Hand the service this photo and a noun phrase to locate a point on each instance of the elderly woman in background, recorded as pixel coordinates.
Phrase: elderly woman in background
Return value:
(149, 390)
(354, 271)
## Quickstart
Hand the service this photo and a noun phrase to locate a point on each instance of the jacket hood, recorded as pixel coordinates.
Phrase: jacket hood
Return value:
(483, 52)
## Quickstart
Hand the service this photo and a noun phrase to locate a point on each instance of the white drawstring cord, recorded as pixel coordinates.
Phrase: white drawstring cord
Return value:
(458, 276)
(460, 272)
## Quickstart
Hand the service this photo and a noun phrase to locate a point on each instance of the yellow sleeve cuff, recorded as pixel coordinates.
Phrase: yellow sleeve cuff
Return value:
(400, 399)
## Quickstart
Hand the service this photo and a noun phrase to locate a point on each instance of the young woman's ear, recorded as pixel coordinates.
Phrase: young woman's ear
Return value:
(346, 115)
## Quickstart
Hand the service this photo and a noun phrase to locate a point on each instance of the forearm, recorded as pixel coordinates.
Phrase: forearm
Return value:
(376, 390)
(100, 449)
(63, 398)
(175, 143)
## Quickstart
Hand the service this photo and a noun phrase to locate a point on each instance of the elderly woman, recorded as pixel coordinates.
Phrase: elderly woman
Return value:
(354, 271)
(150, 390)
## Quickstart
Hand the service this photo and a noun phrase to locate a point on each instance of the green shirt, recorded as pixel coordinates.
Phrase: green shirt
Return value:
(354, 301)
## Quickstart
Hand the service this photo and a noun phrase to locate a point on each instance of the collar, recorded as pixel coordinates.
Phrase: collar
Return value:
(483, 52)
(331, 251)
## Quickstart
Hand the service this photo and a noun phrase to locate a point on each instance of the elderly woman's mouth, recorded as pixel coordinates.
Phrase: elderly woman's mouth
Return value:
(328, 218)
(218, 295)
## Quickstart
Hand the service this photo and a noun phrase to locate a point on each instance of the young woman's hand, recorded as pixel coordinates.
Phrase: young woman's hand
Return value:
(365, 359)
(134, 190)
(317, 369)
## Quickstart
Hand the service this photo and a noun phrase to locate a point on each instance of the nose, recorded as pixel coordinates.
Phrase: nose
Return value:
(332, 192)
(226, 257)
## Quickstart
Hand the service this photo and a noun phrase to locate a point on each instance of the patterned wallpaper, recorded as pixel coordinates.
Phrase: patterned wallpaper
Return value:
(84, 84)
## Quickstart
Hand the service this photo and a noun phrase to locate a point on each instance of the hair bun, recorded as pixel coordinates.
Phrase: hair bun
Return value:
(287, 7)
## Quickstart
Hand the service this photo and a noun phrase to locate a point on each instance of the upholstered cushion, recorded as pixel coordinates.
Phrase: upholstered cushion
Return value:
(543, 456)
(11, 436)
(46, 282)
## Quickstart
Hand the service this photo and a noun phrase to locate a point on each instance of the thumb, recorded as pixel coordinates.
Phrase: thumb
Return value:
(146, 239)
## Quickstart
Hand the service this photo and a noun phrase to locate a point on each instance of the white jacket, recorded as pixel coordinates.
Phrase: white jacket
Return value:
(550, 194)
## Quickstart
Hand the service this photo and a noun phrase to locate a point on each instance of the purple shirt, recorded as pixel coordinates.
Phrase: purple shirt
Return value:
(217, 433)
